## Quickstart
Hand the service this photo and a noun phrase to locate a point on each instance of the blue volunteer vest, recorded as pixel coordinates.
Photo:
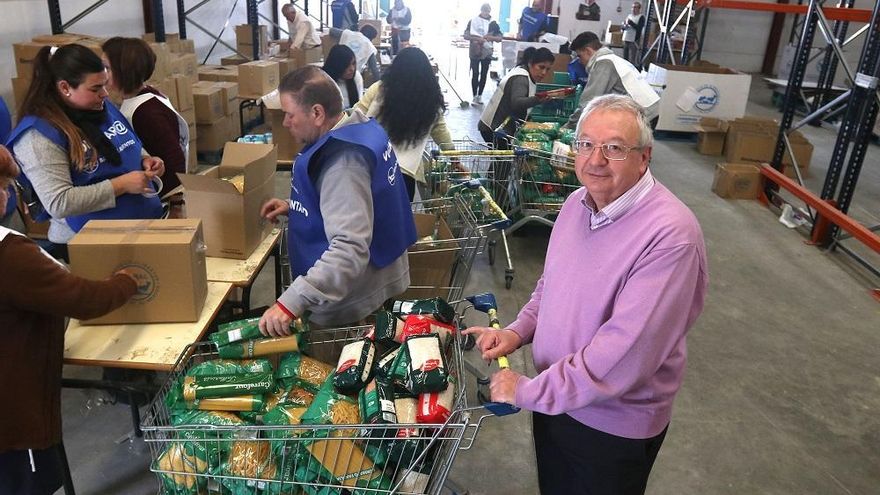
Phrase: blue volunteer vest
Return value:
(393, 228)
(118, 130)
(532, 22)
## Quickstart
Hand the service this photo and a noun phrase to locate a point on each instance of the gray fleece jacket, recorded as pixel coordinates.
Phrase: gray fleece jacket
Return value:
(343, 287)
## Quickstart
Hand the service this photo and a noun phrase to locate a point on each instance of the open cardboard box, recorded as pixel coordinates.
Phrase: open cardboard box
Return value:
(711, 134)
(231, 218)
(431, 261)
(166, 257)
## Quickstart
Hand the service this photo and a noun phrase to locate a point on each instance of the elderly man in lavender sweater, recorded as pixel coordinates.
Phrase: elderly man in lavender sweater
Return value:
(624, 279)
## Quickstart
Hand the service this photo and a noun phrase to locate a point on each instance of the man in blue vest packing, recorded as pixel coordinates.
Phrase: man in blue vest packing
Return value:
(350, 222)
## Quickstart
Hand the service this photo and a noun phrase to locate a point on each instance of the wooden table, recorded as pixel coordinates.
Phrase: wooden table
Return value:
(148, 346)
(242, 273)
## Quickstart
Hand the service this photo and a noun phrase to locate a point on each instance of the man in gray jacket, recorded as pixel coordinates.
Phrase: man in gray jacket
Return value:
(607, 71)
(350, 221)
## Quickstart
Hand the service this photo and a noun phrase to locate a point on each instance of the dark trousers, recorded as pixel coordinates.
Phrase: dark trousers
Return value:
(479, 71)
(490, 137)
(17, 477)
(574, 458)
(631, 52)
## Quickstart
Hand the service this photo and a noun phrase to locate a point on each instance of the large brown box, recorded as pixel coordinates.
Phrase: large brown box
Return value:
(163, 60)
(167, 257)
(233, 227)
(228, 73)
(183, 89)
(213, 137)
(208, 102)
(229, 92)
(233, 60)
(25, 53)
(186, 46)
(244, 40)
(285, 65)
(288, 146)
(431, 262)
(257, 78)
(20, 87)
(711, 133)
(753, 139)
(301, 58)
(737, 180)
(184, 64)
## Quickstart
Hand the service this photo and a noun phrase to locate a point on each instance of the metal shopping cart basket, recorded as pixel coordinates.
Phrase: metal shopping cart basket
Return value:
(358, 459)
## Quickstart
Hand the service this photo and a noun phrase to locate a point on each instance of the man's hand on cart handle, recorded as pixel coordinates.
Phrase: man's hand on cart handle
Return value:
(494, 343)
(502, 387)
(275, 322)
(274, 207)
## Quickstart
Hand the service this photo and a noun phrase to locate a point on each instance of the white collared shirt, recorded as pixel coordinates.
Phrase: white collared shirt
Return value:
(619, 206)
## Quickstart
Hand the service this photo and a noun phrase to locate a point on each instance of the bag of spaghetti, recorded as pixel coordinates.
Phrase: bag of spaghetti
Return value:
(259, 347)
(283, 415)
(342, 462)
(230, 367)
(331, 408)
(309, 371)
(249, 459)
(205, 440)
(176, 401)
(291, 392)
(175, 458)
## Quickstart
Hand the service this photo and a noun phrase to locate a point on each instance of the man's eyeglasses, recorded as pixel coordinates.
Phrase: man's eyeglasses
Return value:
(611, 151)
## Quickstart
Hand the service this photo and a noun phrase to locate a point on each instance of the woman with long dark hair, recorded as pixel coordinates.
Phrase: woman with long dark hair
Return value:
(515, 94)
(341, 66)
(130, 63)
(77, 150)
(409, 105)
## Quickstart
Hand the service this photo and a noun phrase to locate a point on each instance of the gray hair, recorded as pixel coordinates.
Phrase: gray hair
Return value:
(620, 103)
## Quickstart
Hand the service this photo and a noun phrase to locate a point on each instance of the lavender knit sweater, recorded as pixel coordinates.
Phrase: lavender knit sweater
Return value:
(608, 318)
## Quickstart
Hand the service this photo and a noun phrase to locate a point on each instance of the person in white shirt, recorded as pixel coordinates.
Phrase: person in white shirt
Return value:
(300, 28)
(401, 18)
(632, 33)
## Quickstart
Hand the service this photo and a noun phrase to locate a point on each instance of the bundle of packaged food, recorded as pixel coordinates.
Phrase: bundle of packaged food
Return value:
(550, 129)
(244, 426)
(242, 339)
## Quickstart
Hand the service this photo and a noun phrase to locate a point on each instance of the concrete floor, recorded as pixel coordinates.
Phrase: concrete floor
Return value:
(782, 394)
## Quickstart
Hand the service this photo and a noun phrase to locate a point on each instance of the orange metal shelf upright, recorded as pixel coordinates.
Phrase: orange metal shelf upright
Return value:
(832, 13)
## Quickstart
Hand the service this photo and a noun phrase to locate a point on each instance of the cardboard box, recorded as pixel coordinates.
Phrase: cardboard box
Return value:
(227, 73)
(192, 162)
(231, 219)
(25, 53)
(431, 263)
(233, 60)
(688, 94)
(166, 256)
(59, 39)
(235, 124)
(244, 39)
(746, 143)
(288, 147)
(301, 58)
(560, 64)
(257, 78)
(377, 24)
(711, 134)
(285, 65)
(327, 42)
(186, 46)
(184, 64)
(33, 229)
(163, 60)
(189, 115)
(214, 136)
(208, 102)
(193, 132)
(737, 180)
(802, 149)
(228, 91)
(20, 87)
(183, 89)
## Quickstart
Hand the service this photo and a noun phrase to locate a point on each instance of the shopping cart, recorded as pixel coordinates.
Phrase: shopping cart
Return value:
(284, 457)
(470, 164)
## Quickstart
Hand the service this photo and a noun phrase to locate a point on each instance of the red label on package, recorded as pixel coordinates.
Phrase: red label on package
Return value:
(430, 365)
(346, 365)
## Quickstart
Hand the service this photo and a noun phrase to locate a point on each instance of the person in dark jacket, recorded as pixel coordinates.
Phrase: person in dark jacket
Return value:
(36, 294)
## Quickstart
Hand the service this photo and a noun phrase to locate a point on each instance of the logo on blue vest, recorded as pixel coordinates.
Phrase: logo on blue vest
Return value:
(297, 207)
(147, 282)
(117, 128)
(709, 97)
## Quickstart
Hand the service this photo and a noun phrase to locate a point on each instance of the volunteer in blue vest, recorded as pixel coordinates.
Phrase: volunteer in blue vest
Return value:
(349, 216)
(610, 74)
(77, 150)
(532, 22)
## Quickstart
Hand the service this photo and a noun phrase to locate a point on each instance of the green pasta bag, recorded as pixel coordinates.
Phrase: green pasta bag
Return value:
(331, 408)
(355, 366)
(376, 402)
(311, 372)
(283, 415)
(207, 444)
(211, 386)
(400, 370)
(436, 308)
(236, 331)
(290, 392)
(175, 458)
(230, 367)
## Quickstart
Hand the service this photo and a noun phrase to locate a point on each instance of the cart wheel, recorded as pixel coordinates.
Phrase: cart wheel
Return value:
(481, 396)
(468, 343)
(508, 279)
(492, 244)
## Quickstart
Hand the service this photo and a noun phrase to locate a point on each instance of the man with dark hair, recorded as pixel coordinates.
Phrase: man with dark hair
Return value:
(610, 73)
(350, 222)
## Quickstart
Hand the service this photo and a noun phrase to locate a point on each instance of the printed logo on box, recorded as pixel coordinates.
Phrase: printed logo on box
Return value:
(147, 282)
(708, 99)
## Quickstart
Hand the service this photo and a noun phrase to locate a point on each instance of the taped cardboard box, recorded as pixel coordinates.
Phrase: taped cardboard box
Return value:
(213, 137)
(234, 60)
(184, 64)
(228, 91)
(231, 216)
(754, 140)
(228, 73)
(431, 258)
(711, 134)
(737, 180)
(183, 89)
(25, 53)
(167, 257)
(688, 94)
(257, 78)
(208, 102)
(301, 58)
